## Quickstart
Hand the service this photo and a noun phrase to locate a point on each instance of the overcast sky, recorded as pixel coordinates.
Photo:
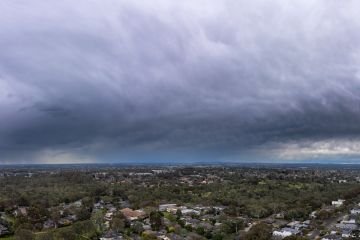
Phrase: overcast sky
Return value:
(179, 81)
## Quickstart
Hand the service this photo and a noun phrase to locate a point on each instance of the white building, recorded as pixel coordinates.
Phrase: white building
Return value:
(285, 232)
(338, 203)
(313, 214)
(355, 211)
(332, 237)
(346, 233)
(165, 207)
(350, 221)
(189, 211)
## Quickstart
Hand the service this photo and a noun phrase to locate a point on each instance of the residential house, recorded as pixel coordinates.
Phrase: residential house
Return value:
(332, 237)
(21, 211)
(49, 224)
(346, 233)
(168, 207)
(338, 203)
(189, 212)
(108, 216)
(355, 211)
(348, 226)
(111, 235)
(163, 237)
(313, 214)
(132, 215)
(3, 230)
(285, 232)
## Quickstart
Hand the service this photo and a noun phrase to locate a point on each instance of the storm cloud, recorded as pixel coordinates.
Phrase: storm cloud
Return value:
(115, 81)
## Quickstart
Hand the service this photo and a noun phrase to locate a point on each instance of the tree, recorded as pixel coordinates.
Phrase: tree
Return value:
(148, 236)
(200, 230)
(84, 228)
(98, 220)
(83, 214)
(232, 226)
(189, 227)
(137, 228)
(260, 231)
(55, 216)
(66, 233)
(170, 229)
(45, 236)
(298, 213)
(323, 214)
(23, 201)
(217, 236)
(24, 234)
(156, 220)
(178, 214)
(88, 202)
(293, 237)
(195, 236)
(117, 224)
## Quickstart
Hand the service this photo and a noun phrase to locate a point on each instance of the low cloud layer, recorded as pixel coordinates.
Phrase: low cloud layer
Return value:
(114, 81)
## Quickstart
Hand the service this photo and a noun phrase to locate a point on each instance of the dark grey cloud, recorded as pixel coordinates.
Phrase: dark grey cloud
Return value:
(231, 80)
